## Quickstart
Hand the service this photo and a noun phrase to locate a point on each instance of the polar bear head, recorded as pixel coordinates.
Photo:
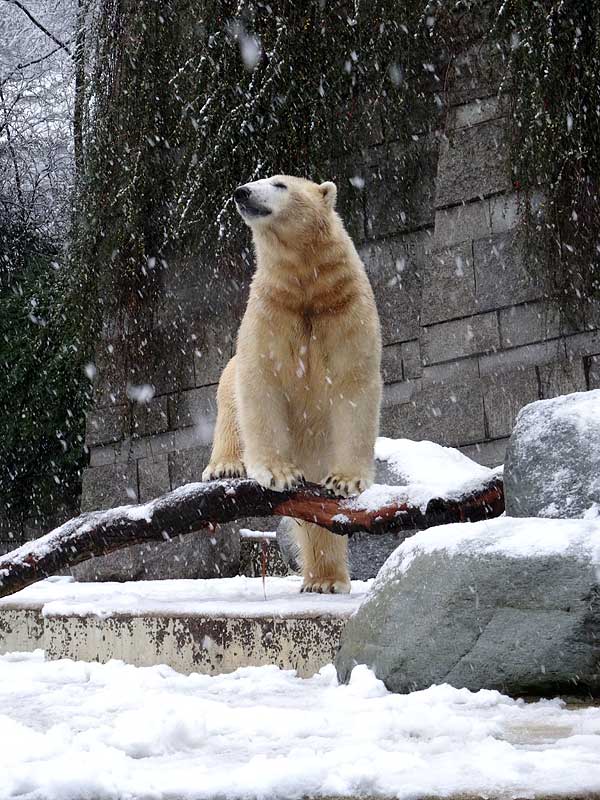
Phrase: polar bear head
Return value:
(285, 204)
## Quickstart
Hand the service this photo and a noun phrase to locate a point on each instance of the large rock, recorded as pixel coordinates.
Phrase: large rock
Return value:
(507, 604)
(553, 461)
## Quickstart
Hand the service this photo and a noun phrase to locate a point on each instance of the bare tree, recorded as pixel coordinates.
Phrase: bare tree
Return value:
(36, 112)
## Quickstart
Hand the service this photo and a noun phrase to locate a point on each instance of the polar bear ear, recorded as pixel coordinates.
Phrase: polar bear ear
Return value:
(329, 192)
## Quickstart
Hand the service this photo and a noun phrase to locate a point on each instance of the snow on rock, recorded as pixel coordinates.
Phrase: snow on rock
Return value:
(553, 458)
(220, 597)
(513, 537)
(72, 729)
(508, 603)
(416, 472)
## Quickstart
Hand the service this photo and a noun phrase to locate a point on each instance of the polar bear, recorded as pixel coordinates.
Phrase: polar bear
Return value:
(300, 398)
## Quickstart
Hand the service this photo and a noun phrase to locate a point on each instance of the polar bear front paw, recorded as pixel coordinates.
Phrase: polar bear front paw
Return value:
(224, 469)
(344, 484)
(280, 477)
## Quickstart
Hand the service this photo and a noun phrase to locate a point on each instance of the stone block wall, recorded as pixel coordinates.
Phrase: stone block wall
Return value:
(468, 336)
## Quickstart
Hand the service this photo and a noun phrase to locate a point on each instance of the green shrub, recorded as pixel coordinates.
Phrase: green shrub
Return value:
(43, 391)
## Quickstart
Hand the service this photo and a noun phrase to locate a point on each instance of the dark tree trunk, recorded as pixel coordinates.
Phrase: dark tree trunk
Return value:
(204, 505)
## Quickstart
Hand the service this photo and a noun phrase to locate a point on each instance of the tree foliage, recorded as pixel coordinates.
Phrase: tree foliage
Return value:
(553, 89)
(43, 391)
(214, 93)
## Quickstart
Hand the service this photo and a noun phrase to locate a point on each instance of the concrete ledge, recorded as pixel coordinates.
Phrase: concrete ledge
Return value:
(208, 645)
(210, 627)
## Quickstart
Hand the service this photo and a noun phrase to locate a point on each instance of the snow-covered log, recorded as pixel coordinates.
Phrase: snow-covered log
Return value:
(199, 506)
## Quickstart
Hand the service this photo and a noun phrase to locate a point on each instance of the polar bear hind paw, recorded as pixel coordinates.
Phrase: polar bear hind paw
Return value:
(224, 469)
(326, 585)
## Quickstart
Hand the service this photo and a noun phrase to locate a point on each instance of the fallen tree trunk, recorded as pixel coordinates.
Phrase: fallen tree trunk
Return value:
(204, 505)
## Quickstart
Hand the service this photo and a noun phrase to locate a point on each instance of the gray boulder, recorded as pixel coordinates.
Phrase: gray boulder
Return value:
(193, 556)
(507, 604)
(552, 465)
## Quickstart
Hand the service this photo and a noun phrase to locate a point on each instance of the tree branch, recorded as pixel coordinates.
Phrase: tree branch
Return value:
(203, 505)
(39, 25)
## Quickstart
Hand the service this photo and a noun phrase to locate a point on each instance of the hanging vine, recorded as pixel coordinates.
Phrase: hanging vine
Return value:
(553, 91)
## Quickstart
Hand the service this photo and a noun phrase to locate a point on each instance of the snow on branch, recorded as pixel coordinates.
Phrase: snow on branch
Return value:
(39, 25)
(198, 506)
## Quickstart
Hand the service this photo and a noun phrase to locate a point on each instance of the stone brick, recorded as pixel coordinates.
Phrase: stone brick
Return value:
(461, 337)
(186, 466)
(504, 394)
(148, 418)
(474, 113)
(500, 273)
(104, 454)
(411, 359)
(197, 408)
(504, 210)
(213, 349)
(351, 199)
(562, 377)
(175, 370)
(583, 344)
(462, 223)
(529, 355)
(479, 219)
(399, 392)
(395, 269)
(466, 370)
(530, 322)
(593, 370)
(490, 454)
(391, 363)
(167, 361)
(448, 284)
(472, 164)
(222, 288)
(449, 415)
(109, 486)
(475, 74)
(395, 204)
(106, 424)
(153, 477)
(158, 444)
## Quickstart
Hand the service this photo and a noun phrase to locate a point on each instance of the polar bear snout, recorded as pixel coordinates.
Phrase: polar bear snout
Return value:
(251, 202)
(241, 194)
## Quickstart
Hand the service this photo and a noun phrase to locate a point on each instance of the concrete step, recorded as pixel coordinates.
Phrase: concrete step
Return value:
(206, 626)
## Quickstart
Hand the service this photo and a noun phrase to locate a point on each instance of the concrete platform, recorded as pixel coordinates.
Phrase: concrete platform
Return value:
(210, 627)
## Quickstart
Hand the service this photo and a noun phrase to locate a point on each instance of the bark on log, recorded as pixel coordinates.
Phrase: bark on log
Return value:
(203, 505)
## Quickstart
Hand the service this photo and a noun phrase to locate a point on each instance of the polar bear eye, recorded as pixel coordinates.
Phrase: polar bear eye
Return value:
(280, 185)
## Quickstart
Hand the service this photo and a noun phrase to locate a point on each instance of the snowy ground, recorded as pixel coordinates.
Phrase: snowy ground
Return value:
(72, 730)
(218, 597)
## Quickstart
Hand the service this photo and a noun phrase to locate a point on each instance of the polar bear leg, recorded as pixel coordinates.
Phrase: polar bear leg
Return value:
(226, 456)
(324, 557)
